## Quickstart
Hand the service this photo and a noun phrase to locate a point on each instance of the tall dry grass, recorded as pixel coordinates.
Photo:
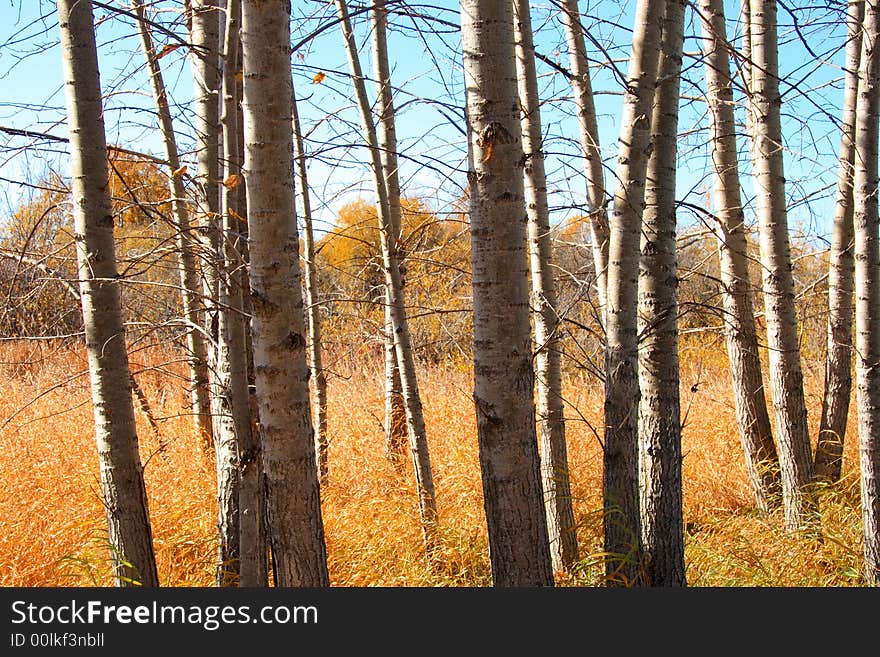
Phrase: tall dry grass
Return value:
(52, 529)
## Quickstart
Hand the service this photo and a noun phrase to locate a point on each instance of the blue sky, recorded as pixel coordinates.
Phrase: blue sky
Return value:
(427, 74)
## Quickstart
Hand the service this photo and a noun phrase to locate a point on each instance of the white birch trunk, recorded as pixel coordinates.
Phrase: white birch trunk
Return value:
(838, 360)
(786, 376)
(659, 408)
(503, 376)
(561, 528)
(122, 480)
(867, 286)
(296, 529)
(753, 420)
(620, 485)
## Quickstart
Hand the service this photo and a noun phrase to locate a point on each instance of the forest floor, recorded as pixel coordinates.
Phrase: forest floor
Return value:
(53, 531)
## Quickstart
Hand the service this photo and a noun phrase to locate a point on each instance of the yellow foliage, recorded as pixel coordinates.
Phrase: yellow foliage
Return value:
(435, 259)
(41, 231)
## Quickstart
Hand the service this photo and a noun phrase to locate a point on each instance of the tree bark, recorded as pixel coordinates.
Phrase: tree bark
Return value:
(296, 529)
(753, 420)
(561, 528)
(786, 376)
(589, 136)
(620, 481)
(122, 479)
(386, 134)
(503, 376)
(233, 435)
(838, 360)
(253, 540)
(867, 285)
(402, 343)
(318, 377)
(659, 408)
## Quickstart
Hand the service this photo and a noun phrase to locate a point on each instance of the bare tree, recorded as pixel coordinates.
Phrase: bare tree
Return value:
(318, 376)
(386, 134)
(391, 265)
(503, 376)
(233, 431)
(838, 359)
(756, 434)
(561, 527)
(620, 480)
(296, 528)
(786, 376)
(589, 136)
(197, 355)
(867, 286)
(203, 20)
(122, 479)
(253, 542)
(662, 528)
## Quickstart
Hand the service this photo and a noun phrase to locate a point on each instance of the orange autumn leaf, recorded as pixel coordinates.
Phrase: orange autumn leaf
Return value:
(235, 215)
(166, 50)
(319, 77)
(239, 76)
(232, 181)
(179, 172)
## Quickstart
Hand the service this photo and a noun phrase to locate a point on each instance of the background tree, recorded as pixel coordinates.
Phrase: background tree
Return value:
(386, 135)
(189, 275)
(395, 298)
(318, 376)
(203, 21)
(548, 368)
(590, 144)
(838, 362)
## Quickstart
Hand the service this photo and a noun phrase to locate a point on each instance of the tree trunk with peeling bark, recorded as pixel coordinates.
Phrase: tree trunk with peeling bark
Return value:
(838, 359)
(622, 526)
(122, 479)
(503, 376)
(786, 376)
(296, 528)
(659, 407)
(753, 420)
(555, 473)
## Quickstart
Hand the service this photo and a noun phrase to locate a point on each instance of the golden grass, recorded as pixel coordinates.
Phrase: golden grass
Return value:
(52, 529)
